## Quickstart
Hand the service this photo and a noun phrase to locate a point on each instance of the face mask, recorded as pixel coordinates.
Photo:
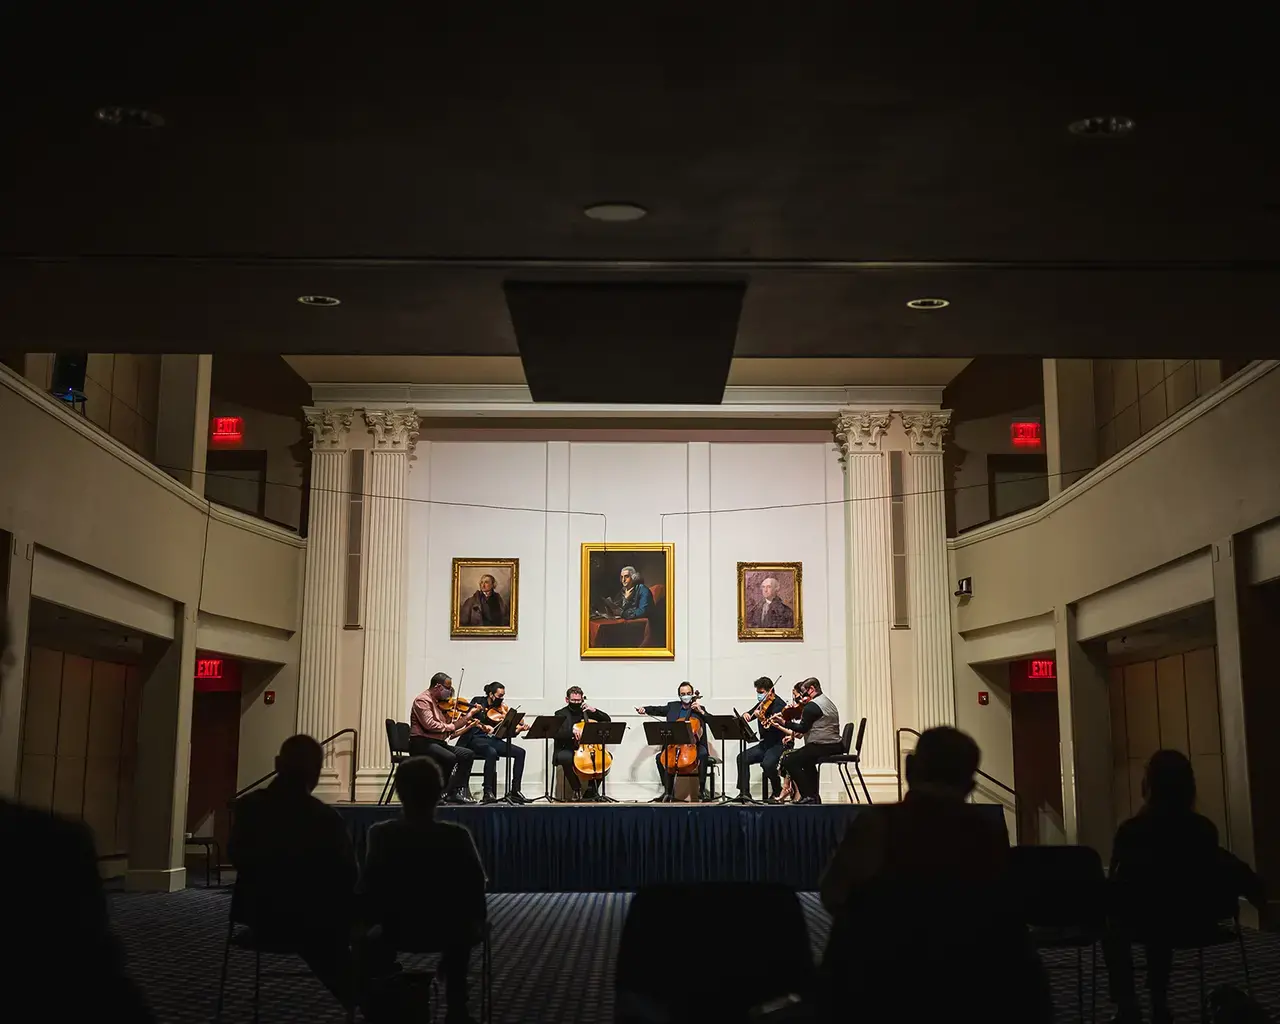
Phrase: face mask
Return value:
(761, 696)
(575, 701)
(686, 698)
(446, 693)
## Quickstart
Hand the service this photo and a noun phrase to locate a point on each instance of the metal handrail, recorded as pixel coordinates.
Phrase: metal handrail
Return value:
(355, 752)
(1017, 821)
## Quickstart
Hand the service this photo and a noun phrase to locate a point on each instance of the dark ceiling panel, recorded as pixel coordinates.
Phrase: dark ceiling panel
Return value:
(650, 342)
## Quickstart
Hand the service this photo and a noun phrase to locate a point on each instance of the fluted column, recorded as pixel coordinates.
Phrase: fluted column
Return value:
(929, 584)
(866, 487)
(395, 433)
(326, 563)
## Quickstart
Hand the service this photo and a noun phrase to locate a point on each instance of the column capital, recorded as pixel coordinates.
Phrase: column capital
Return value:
(925, 429)
(859, 432)
(393, 430)
(328, 427)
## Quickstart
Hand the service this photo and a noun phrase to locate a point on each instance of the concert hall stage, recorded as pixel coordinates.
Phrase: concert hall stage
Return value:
(621, 847)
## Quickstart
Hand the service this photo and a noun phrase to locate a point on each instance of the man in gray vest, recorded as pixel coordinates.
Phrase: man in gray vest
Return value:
(819, 724)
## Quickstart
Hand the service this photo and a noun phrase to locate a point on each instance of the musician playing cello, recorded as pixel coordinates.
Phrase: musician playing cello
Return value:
(574, 711)
(685, 707)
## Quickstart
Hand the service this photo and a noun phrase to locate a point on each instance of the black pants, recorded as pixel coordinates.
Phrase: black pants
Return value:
(669, 781)
(802, 765)
(766, 755)
(377, 951)
(1117, 950)
(491, 749)
(454, 762)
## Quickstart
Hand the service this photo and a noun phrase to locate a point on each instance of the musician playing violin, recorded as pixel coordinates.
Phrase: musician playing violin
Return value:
(481, 741)
(686, 706)
(575, 710)
(767, 752)
(434, 720)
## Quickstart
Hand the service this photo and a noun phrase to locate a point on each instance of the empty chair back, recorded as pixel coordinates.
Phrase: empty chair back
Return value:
(401, 743)
(846, 737)
(862, 731)
(1058, 886)
(672, 968)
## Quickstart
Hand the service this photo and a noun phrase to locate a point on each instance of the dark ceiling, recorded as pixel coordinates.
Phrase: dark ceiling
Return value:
(410, 159)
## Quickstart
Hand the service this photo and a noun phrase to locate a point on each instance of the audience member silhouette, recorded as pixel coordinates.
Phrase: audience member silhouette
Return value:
(1164, 860)
(296, 870)
(63, 961)
(914, 889)
(416, 914)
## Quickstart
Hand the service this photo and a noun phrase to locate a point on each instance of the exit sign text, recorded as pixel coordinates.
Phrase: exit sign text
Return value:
(208, 668)
(1025, 434)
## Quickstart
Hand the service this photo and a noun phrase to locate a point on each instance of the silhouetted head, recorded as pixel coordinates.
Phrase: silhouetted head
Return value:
(419, 783)
(943, 763)
(299, 762)
(1169, 783)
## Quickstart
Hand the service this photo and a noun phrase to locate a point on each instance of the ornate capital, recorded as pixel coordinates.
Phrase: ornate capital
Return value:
(859, 432)
(328, 427)
(393, 430)
(925, 429)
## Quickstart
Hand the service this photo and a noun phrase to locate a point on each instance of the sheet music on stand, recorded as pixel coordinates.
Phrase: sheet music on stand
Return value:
(546, 727)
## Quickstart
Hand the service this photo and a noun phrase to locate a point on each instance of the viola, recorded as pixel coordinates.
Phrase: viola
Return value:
(590, 761)
(495, 713)
(682, 759)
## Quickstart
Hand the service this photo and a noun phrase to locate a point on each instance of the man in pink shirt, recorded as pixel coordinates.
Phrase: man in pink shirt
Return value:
(430, 731)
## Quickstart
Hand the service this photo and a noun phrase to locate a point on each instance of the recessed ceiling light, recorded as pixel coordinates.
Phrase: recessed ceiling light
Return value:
(128, 117)
(1111, 127)
(319, 300)
(929, 303)
(615, 212)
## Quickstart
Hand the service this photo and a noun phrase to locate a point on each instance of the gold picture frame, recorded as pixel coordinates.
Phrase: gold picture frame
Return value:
(610, 627)
(464, 609)
(787, 578)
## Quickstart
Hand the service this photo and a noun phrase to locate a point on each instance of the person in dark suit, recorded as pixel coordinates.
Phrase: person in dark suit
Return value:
(63, 961)
(769, 611)
(768, 751)
(682, 709)
(405, 893)
(296, 869)
(485, 607)
(1154, 856)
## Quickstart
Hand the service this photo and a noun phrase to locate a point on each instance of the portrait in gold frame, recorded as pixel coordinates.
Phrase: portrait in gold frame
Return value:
(618, 622)
(466, 616)
(770, 605)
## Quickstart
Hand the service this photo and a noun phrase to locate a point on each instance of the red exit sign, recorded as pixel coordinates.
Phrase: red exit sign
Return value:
(1042, 668)
(228, 429)
(1026, 434)
(208, 668)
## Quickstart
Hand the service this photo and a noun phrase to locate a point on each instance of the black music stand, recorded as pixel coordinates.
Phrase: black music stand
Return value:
(728, 729)
(669, 734)
(604, 735)
(507, 730)
(546, 727)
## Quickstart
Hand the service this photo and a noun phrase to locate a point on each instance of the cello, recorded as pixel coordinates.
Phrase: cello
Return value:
(591, 761)
(682, 758)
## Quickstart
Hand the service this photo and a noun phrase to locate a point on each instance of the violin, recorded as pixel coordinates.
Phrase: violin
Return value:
(682, 759)
(758, 711)
(495, 713)
(591, 761)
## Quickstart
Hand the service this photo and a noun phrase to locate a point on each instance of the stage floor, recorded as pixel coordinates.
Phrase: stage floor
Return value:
(620, 847)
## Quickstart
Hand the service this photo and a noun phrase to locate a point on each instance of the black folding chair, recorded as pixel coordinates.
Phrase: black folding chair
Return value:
(727, 991)
(1061, 891)
(416, 944)
(243, 934)
(398, 744)
(852, 756)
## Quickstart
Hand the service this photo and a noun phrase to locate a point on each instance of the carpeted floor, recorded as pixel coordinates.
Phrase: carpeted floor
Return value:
(554, 952)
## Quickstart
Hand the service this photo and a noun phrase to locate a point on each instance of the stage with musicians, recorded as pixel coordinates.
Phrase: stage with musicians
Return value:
(619, 847)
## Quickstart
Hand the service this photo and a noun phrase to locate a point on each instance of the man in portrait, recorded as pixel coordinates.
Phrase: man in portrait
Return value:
(634, 600)
(485, 607)
(767, 611)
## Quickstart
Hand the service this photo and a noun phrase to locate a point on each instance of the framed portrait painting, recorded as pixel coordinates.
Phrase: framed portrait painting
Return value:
(628, 601)
(769, 601)
(486, 597)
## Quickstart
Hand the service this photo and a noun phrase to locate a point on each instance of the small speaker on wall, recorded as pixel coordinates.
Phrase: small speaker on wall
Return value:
(68, 373)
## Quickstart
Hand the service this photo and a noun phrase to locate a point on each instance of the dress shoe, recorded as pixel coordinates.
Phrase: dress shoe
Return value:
(460, 798)
(516, 797)
(809, 801)
(490, 797)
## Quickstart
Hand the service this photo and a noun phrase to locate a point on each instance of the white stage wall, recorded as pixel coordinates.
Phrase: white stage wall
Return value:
(644, 491)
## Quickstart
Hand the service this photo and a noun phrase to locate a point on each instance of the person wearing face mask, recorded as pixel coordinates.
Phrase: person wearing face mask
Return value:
(430, 730)
(574, 711)
(819, 724)
(767, 752)
(684, 707)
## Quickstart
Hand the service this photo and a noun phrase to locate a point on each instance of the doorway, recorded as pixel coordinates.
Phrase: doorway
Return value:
(215, 747)
(1037, 759)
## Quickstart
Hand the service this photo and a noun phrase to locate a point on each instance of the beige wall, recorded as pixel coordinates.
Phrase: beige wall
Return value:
(279, 436)
(121, 393)
(1134, 396)
(1204, 475)
(1169, 703)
